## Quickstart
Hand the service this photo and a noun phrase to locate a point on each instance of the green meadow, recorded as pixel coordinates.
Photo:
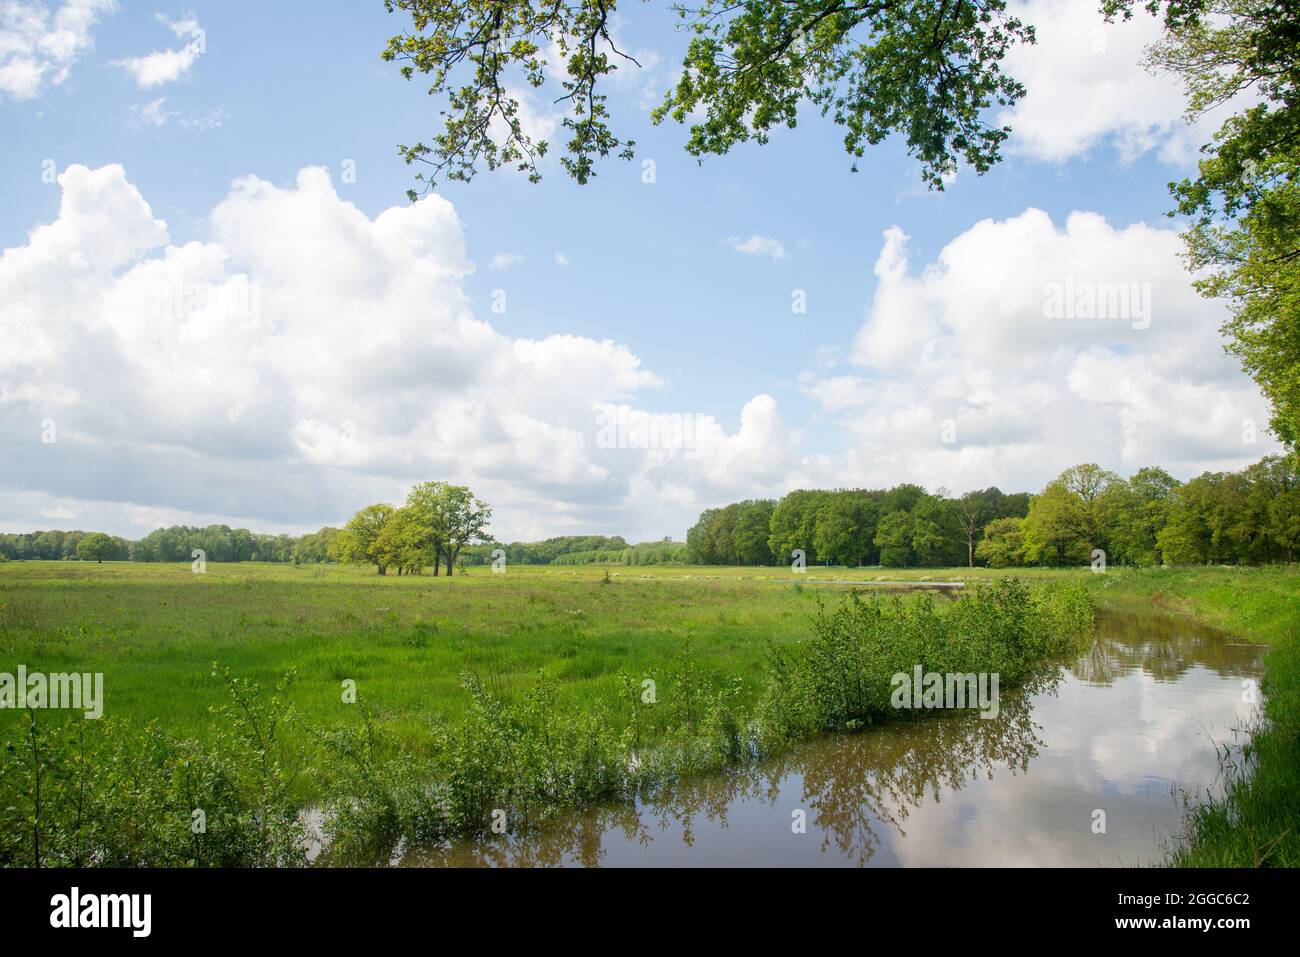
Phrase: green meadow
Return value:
(581, 633)
(156, 630)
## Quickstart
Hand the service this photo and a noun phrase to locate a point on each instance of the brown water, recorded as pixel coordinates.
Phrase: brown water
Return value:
(1129, 729)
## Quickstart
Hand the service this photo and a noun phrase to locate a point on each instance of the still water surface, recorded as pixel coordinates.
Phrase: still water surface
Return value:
(1129, 729)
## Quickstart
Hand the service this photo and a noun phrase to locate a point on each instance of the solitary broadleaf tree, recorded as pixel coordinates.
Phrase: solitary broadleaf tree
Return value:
(95, 547)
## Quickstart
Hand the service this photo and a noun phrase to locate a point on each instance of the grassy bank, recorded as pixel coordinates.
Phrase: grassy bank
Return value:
(1256, 821)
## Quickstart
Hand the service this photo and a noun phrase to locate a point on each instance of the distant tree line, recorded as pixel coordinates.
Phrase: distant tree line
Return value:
(219, 543)
(581, 550)
(548, 551)
(1229, 518)
(56, 545)
(663, 552)
(902, 526)
(1150, 518)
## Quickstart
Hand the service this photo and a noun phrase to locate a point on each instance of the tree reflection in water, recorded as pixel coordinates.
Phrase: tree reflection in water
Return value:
(851, 784)
(859, 789)
(1163, 646)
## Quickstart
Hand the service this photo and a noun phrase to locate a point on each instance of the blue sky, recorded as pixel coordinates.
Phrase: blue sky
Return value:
(689, 278)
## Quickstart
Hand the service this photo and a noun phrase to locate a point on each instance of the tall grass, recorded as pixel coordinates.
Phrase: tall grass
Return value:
(1255, 822)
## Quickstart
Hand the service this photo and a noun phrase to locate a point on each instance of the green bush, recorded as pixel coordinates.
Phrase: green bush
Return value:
(841, 678)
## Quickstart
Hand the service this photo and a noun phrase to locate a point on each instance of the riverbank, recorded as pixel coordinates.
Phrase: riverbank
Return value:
(1256, 820)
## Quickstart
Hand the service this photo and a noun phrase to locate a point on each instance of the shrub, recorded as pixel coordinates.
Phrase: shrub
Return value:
(841, 677)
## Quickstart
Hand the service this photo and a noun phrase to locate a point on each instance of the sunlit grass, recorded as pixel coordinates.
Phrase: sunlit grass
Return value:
(156, 630)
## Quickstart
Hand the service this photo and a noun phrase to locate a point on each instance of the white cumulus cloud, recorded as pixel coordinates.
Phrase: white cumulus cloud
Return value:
(971, 376)
(37, 48)
(306, 359)
(1087, 88)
